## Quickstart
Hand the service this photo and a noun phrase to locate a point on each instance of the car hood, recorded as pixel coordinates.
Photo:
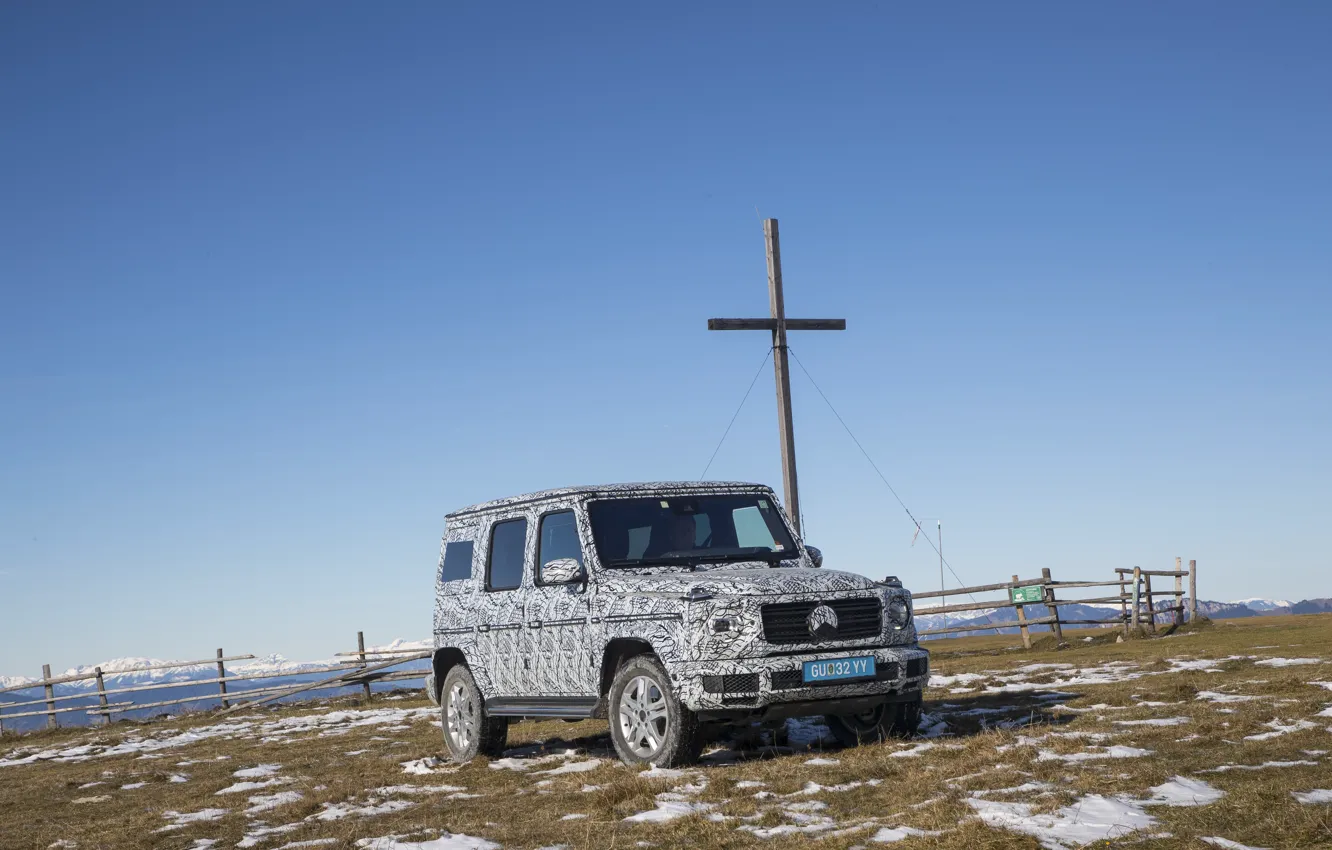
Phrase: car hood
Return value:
(735, 582)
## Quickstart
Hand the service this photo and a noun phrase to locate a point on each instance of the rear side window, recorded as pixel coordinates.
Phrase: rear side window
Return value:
(508, 541)
(457, 561)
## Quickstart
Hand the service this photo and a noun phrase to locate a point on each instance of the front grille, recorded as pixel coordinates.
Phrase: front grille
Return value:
(916, 667)
(731, 683)
(784, 622)
(785, 680)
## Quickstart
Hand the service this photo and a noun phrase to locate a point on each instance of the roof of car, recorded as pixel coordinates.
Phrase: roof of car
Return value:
(652, 487)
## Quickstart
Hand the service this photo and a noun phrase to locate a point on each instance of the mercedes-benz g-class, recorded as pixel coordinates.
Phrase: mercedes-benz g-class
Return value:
(660, 607)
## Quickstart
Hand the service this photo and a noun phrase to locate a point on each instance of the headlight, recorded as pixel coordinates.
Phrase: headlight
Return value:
(899, 612)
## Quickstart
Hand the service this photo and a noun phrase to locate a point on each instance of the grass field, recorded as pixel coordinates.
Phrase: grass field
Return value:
(1193, 740)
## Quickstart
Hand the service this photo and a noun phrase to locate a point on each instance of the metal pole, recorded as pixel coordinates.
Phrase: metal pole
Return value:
(781, 369)
(941, 566)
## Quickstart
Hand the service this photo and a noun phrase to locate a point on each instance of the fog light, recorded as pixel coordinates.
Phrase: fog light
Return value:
(721, 625)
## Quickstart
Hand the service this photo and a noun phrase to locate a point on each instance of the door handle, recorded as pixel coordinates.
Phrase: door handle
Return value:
(535, 624)
(483, 628)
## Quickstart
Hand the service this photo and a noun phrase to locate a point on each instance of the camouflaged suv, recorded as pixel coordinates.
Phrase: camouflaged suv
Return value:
(661, 607)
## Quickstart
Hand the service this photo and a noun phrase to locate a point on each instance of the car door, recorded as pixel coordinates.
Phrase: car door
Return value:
(499, 605)
(557, 614)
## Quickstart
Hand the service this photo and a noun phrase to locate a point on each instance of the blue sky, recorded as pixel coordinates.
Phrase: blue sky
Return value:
(283, 285)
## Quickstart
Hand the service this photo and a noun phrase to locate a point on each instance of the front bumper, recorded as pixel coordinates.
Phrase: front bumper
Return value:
(764, 686)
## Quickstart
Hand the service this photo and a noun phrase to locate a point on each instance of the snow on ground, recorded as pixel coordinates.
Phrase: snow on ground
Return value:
(1227, 844)
(1155, 721)
(1316, 796)
(1092, 818)
(1286, 662)
(265, 802)
(181, 820)
(269, 731)
(1278, 729)
(447, 841)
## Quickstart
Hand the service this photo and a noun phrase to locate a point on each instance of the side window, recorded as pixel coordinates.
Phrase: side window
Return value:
(457, 561)
(751, 529)
(558, 539)
(504, 567)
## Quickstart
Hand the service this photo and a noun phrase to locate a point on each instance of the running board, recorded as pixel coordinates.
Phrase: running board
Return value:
(568, 707)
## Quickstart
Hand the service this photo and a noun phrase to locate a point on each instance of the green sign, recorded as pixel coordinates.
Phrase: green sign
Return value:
(1026, 594)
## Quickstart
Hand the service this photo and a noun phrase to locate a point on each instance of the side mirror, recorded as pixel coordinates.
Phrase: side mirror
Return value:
(562, 571)
(815, 555)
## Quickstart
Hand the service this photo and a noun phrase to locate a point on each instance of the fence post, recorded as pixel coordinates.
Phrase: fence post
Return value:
(101, 696)
(1193, 591)
(1123, 602)
(1151, 605)
(1179, 592)
(360, 647)
(50, 697)
(1048, 592)
(1022, 618)
(1137, 597)
(222, 679)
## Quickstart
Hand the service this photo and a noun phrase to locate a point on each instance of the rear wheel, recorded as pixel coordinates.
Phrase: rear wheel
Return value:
(648, 724)
(468, 730)
(889, 720)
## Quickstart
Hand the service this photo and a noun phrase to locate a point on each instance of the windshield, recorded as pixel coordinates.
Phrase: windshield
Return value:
(689, 530)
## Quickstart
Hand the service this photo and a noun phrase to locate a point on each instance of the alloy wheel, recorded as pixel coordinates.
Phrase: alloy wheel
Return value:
(644, 717)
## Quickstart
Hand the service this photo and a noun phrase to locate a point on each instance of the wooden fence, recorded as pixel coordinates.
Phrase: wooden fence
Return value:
(363, 668)
(1134, 595)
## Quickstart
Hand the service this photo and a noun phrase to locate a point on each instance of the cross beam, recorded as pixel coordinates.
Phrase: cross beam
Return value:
(778, 324)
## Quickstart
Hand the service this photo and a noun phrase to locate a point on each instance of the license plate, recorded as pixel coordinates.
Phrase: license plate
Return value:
(840, 668)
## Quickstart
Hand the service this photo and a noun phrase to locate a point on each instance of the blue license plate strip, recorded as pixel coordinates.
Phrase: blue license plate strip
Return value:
(832, 669)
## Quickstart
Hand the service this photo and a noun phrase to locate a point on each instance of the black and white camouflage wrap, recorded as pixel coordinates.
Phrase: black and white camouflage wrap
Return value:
(548, 641)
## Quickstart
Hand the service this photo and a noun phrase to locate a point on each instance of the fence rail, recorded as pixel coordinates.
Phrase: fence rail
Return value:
(363, 668)
(1137, 602)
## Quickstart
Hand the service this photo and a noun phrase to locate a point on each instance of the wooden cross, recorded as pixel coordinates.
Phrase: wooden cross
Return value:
(779, 325)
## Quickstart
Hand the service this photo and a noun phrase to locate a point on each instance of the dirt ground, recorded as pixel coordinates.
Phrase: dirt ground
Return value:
(1223, 734)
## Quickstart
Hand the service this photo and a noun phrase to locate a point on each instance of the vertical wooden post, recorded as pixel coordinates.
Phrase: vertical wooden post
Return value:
(50, 697)
(781, 366)
(1193, 591)
(1123, 603)
(360, 647)
(1050, 605)
(1151, 605)
(1137, 597)
(101, 695)
(222, 679)
(1179, 592)
(1022, 618)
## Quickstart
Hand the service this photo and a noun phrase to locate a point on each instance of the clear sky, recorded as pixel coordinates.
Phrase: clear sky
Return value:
(285, 283)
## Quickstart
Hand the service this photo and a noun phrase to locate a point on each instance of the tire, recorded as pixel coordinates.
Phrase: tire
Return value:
(649, 725)
(889, 720)
(468, 730)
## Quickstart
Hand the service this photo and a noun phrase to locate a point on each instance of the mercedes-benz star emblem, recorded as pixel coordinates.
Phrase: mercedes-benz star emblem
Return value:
(822, 622)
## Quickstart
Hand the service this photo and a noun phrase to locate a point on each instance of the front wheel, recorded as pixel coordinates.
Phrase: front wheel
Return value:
(468, 729)
(888, 720)
(649, 725)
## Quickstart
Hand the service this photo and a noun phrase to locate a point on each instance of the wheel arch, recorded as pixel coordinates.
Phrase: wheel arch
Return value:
(444, 660)
(617, 652)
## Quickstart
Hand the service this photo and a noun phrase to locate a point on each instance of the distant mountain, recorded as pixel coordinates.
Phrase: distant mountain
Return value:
(1260, 604)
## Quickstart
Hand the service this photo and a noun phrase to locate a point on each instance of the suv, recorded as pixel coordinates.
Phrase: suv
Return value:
(662, 607)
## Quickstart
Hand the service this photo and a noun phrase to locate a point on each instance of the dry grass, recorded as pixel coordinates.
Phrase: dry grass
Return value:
(991, 747)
